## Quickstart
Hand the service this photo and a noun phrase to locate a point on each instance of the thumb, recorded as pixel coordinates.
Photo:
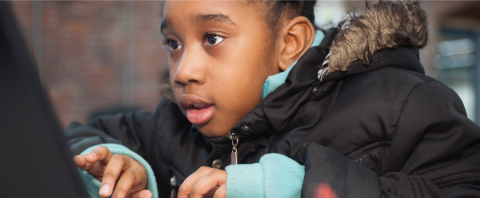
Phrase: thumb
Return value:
(221, 192)
(141, 194)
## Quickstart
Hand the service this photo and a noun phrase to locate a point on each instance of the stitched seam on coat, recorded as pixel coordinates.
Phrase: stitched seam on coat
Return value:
(419, 188)
(413, 187)
(383, 59)
(382, 144)
(452, 179)
(457, 181)
(400, 115)
(383, 65)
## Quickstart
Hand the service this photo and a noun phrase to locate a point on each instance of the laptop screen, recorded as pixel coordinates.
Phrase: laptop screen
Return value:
(35, 160)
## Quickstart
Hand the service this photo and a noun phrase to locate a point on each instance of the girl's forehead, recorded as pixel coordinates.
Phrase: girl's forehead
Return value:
(185, 19)
(195, 10)
(199, 19)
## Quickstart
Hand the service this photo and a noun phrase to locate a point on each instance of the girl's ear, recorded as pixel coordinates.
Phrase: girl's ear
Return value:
(295, 39)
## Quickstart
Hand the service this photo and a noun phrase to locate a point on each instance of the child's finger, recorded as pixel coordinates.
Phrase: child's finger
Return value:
(205, 184)
(80, 161)
(221, 191)
(141, 194)
(96, 170)
(187, 185)
(125, 183)
(100, 154)
(112, 171)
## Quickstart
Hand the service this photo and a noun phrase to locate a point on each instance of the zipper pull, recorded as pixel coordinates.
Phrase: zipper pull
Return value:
(235, 139)
(173, 185)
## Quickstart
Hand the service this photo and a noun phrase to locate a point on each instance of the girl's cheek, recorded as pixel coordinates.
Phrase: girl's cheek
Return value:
(172, 68)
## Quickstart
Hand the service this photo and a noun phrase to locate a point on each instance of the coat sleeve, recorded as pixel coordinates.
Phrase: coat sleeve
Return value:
(434, 152)
(129, 129)
(324, 165)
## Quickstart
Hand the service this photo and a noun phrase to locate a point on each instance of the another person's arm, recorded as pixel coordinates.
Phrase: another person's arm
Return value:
(435, 150)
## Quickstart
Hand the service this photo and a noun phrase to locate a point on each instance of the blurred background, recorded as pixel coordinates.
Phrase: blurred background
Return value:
(98, 57)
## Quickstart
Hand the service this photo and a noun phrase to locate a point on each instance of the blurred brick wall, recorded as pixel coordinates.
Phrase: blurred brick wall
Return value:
(93, 55)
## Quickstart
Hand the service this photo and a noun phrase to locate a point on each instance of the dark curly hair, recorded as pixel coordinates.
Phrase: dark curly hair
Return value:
(275, 9)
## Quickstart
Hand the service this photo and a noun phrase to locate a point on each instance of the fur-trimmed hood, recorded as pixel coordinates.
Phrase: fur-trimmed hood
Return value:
(381, 25)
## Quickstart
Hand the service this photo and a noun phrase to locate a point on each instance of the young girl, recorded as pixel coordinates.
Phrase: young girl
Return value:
(355, 112)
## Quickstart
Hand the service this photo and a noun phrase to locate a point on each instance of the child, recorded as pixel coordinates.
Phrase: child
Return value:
(355, 113)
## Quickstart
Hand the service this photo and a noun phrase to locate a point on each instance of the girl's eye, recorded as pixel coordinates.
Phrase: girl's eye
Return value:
(212, 39)
(173, 45)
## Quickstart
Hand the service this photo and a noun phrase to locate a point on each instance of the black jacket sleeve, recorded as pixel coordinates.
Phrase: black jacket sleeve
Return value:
(129, 129)
(325, 165)
(434, 152)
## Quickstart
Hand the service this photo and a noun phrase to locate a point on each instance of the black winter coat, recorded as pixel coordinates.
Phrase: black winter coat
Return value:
(382, 129)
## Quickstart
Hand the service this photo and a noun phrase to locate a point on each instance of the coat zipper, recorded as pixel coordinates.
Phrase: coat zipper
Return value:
(234, 138)
(173, 186)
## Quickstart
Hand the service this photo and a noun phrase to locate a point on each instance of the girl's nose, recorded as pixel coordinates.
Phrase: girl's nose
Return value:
(191, 68)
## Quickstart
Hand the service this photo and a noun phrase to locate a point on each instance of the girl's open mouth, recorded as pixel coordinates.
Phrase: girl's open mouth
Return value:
(199, 114)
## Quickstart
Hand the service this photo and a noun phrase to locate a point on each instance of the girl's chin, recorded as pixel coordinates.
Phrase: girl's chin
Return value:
(209, 131)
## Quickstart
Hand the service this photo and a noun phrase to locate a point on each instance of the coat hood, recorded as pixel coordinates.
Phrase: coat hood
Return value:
(381, 25)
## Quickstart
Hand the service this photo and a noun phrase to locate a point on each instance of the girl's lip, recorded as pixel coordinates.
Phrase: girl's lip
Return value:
(188, 100)
(199, 111)
(200, 115)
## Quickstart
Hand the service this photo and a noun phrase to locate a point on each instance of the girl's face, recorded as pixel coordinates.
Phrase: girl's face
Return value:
(220, 57)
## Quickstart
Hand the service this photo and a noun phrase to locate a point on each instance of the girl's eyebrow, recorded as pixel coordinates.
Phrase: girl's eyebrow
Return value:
(201, 18)
(165, 24)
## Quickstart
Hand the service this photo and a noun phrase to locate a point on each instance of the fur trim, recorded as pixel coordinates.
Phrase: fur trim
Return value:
(383, 24)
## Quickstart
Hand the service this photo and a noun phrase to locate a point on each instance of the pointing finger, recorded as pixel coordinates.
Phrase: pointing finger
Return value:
(101, 154)
(208, 182)
(80, 162)
(110, 176)
(125, 183)
(186, 187)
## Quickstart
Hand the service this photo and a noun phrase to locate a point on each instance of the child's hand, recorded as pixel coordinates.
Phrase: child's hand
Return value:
(108, 167)
(205, 182)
